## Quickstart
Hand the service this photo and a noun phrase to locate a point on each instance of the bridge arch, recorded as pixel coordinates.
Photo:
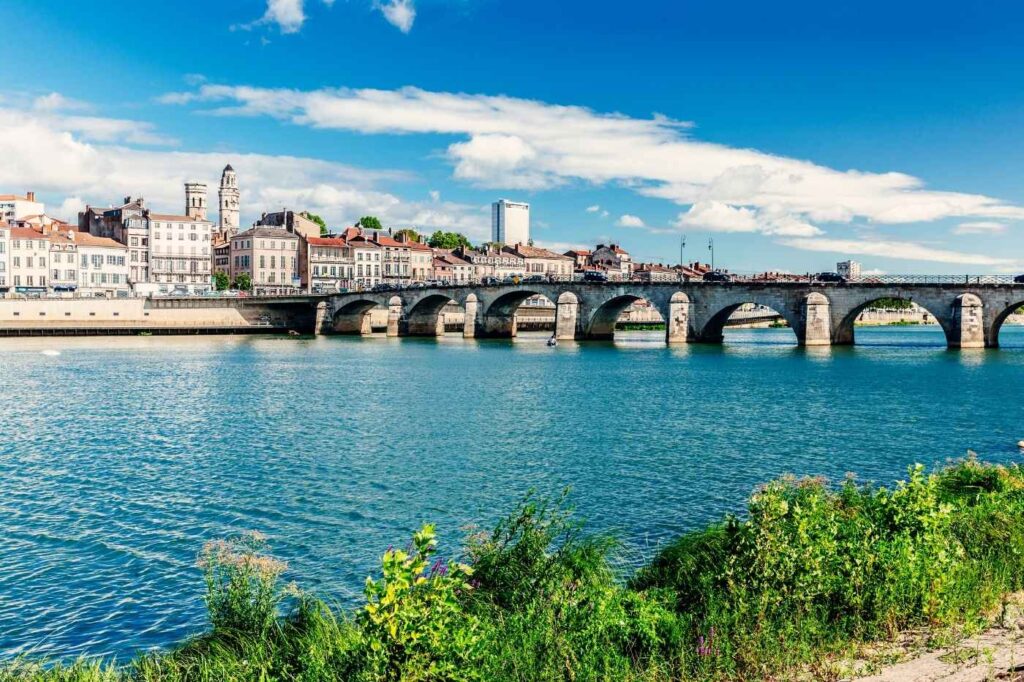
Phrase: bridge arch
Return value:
(844, 333)
(793, 312)
(353, 317)
(1000, 319)
(603, 318)
(423, 317)
(497, 318)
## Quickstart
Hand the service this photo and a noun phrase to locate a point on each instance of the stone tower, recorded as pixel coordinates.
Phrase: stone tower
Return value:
(195, 200)
(228, 223)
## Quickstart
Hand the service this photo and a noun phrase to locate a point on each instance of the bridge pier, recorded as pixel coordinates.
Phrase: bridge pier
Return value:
(677, 322)
(472, 308)
(566, 317)
(394, 318)
(817, 319)
(967, 329)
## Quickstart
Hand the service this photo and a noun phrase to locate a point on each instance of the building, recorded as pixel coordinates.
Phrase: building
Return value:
(63, 261)
(228, 217)
(270, 257)
(195, 200)
(653, 272)
(450, 269)
(540, 261)
(850, 269)
(16, 207)
(102, 266)
(421, 259)
(129, 225)
(510, 222)
(613, 259)
(581, 259)
(491, 261)
(291, 221)
(331, 264)
(182, 260)
(5, 250)
(29, 261)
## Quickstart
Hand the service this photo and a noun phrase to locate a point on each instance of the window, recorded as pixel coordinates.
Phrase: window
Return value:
(134, 241)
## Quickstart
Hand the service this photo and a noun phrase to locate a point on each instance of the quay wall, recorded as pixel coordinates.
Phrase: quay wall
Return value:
(168, 316)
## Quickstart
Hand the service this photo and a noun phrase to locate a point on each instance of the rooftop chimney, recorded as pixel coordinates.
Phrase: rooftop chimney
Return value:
(31, 196)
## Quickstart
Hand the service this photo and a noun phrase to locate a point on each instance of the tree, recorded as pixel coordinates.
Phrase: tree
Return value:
(369, 222)
(448, 240)
(221, 281)
(242, 281)
(412, 234)
(318, 220)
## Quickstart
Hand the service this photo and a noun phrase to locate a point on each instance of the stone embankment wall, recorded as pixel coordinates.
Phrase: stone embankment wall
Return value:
(133, 315)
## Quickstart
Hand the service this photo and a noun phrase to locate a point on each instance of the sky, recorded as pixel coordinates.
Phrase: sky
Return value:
(792, 134)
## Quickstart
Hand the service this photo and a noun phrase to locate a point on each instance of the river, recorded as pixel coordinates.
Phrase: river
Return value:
(119, 457)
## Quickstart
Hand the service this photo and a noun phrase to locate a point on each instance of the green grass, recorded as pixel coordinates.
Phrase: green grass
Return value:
(809, 573)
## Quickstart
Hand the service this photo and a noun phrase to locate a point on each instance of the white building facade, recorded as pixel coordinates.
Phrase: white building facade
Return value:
(510, 222)
(15, 207)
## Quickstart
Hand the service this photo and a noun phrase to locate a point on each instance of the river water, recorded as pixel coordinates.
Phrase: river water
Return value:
(119, 457)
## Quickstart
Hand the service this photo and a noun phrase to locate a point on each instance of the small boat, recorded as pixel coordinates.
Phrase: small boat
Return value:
(1020, 444)
(552, 341)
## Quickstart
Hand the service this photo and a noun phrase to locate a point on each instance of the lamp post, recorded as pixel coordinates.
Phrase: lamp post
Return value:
(711, 248)
(682, 245)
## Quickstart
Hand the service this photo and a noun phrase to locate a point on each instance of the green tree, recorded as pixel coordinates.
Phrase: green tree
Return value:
(221, 281)
(318, 220)
(369, 222)
(412, 234)
(448, 240)
(242, 282)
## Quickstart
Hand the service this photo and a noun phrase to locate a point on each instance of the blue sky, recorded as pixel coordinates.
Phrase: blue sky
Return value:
(793, 133)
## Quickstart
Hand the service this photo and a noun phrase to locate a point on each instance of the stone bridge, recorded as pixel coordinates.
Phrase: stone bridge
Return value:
(694, 312)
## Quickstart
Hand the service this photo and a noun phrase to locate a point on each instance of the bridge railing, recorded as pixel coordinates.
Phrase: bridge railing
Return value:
(934, 279)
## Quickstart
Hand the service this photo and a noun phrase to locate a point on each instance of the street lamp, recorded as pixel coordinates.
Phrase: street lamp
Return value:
(711, 248)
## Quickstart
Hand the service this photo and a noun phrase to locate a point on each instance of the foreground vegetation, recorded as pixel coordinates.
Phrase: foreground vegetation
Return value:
(810, 571)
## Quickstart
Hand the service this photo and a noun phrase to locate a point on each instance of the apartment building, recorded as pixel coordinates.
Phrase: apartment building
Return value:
(181, 260)
(270, 257)
(29, 261)
(330, 264)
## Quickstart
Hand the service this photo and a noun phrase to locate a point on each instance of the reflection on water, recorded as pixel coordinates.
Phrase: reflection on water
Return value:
(120, 456)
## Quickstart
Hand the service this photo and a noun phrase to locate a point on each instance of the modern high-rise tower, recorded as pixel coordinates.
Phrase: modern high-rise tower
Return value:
(510, 222)
(195, 200)
(228, 221)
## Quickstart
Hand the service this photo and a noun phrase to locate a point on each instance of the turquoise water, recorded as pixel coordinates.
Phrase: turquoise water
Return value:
(119, 457)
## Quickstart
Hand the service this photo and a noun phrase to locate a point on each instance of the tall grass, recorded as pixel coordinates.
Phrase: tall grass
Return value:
(810, 572)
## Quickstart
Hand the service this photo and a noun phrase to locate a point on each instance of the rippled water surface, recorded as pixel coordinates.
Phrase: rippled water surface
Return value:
(120, 457)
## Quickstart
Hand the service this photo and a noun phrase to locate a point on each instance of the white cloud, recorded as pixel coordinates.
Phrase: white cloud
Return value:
(627, 220)
(288, 15)
(512, 143)
(593, 209)
(435, 196)
(98, 129)
(896, 249)
(61, 163)
(57, 102)
(399, 13)
(69, 208)
(980, 227)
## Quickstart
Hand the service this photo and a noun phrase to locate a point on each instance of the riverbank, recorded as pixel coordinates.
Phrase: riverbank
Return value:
(806, 584)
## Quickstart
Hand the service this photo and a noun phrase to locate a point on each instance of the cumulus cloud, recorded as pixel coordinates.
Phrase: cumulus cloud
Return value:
(980, 227)
(628, 220)
(399, 13)
(287, 15)
(66, 161)
(514, 143)
(897, 249)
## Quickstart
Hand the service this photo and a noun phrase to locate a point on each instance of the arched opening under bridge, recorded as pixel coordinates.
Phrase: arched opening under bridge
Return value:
(1008, 328)
(879, 315)
(366, 316)
(734, 322)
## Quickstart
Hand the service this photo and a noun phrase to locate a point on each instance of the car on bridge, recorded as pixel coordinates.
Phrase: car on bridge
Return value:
(830, 277)
(717, 276)
(1019, 279)
(594, 276)
(490, 281)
